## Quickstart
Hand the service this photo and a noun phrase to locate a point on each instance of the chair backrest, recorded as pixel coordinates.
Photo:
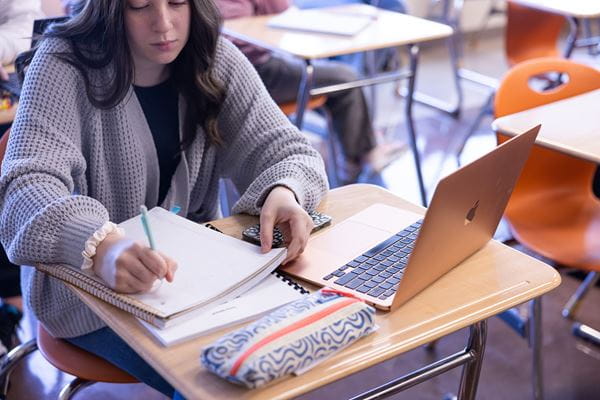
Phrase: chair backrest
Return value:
(289, 108)
(515, 93)
(546, 168)
(531, 33)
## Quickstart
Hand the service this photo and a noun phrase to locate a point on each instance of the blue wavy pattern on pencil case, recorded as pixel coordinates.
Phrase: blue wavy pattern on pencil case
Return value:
(289, 357)
(262, 368)
(235, 341)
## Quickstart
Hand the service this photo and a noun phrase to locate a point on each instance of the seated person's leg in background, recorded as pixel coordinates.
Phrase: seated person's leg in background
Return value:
(348, 109)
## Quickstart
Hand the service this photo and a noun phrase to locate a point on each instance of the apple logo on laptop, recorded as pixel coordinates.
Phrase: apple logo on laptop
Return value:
(471, 214)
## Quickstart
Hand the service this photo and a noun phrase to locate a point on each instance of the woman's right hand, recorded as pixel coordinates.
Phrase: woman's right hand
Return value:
(128, 267)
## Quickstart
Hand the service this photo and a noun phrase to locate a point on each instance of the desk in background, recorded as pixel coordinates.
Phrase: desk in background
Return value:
(574, 11)
(571, 126)
(492, 280)
(389, 29)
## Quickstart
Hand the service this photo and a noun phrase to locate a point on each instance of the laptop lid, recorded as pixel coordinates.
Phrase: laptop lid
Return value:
(464, 212)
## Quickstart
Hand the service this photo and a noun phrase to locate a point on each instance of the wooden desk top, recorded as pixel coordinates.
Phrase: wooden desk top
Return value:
(569, 8)
(390, 29)
(571, 126)
(492, 280)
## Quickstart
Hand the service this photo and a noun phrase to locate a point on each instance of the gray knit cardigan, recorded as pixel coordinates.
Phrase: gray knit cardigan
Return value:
(70, 167)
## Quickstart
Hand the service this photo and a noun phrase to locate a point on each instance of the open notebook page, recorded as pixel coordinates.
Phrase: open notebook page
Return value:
(209, 263)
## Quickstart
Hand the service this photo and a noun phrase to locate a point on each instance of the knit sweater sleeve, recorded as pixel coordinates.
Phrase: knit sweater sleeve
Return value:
(262, 148)
(45, 215)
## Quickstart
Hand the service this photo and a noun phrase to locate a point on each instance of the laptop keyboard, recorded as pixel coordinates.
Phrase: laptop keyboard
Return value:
(378, 271)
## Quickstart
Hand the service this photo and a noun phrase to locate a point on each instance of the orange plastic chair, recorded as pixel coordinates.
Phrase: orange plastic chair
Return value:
(531, 33)
(85, 366)
(290, 108)
(553, 210)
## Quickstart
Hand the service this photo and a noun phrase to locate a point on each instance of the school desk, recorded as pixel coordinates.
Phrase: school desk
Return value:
(386, 29)
(494, 279)
(575, 11)
(571, 126)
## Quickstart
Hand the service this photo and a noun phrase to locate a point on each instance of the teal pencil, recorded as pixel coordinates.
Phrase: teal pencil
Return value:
(146, 226)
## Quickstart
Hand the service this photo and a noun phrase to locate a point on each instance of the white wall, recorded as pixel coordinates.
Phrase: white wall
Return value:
(52, 8)
(473, 16)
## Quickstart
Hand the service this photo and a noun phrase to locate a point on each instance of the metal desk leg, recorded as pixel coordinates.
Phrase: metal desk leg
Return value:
(414, 57)
(586, 332)
(306, 84)
(470, 358)
(470, 374)
(10, 361)
(574, 301)
(455, 48)
(531, 330)
(535, 342)
(572, 38)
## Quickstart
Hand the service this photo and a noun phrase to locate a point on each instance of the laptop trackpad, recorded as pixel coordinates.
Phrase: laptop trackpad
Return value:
(335, 246)
(350, 239)
(363, 230)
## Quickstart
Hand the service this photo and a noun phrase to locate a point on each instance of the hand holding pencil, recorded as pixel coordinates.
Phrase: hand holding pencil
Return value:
(130, 267)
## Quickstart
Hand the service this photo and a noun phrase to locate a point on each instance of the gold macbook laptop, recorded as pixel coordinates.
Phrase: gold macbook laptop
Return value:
(386, 255)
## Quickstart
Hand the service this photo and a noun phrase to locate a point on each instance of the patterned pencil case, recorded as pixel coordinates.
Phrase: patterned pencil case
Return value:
(289, 339)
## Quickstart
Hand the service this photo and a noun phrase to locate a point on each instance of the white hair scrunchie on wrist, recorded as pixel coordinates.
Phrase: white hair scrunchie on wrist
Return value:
(97, 237)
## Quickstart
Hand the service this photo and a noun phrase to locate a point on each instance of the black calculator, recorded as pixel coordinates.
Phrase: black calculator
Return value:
(252, 234)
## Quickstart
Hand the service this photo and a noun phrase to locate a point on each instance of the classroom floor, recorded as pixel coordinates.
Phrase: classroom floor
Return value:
(571, 367)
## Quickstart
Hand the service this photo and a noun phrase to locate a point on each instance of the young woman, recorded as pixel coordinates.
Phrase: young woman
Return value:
(140, 102)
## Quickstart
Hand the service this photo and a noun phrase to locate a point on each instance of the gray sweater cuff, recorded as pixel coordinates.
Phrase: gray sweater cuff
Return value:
(290, 183)
(74, 234)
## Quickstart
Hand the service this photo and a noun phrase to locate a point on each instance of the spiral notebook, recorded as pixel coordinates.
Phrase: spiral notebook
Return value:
(212, 268)
(274, 291)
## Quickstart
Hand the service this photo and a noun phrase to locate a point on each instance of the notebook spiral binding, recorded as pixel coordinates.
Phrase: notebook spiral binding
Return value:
(82, 281)
(296, 286)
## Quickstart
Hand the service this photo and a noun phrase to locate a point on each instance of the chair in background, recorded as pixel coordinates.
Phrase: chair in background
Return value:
(529, 34)
(552, 210)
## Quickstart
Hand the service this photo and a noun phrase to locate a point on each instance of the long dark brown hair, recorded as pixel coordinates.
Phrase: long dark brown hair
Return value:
(96, 33)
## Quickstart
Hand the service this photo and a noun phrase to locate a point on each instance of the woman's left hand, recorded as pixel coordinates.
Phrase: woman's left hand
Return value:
(282, 209)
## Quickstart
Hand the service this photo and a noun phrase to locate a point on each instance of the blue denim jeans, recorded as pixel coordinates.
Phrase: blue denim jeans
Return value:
(105, 343)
